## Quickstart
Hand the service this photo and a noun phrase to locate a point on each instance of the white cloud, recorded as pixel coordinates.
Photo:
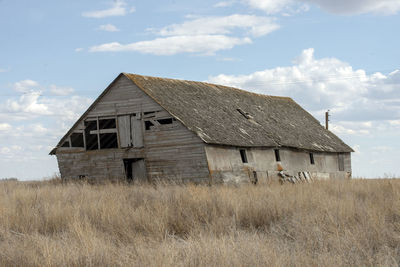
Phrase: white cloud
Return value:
(356, 148)
(119, 8)
(349, 128)
(269, 6)
(348, 7)
(343, 7)
(5, 127)
(67, 109)
(227, 59)
(31, 125)
(79, 49)
(256, 26)
(28, 103)
(2, 70)
(39, 129)
(31, 104)
(25, 86)
(61, 91)
(205, 36)
(329, 83)
(108, 28)
(201, 44)
(380, 149)
(224, 4)
(395, 122)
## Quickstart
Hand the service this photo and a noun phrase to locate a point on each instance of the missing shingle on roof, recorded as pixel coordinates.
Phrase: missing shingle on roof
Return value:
(245, 114)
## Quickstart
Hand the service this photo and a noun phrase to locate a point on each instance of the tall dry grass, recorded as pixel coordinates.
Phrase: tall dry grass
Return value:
(353, 223)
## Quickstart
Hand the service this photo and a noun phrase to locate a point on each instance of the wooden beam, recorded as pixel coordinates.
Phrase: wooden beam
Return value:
(104, 131)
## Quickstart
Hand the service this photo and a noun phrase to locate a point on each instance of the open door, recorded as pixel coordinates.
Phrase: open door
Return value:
(135, 169)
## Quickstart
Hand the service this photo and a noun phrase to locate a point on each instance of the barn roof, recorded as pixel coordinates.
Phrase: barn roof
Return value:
(230, 116)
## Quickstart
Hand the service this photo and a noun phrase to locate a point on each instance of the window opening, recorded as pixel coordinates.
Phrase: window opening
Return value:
(108, 133)
(91, 138)
(312, 158)
(147, 125)
(77, 140)
(107, 124)
(165, 121)
(108, 140)
(101, 134)
(277, 155)
(65, 144)
(243, 155)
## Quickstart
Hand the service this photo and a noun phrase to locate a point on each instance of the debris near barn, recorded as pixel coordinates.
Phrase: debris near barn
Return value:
(145, 128)
(301, 177)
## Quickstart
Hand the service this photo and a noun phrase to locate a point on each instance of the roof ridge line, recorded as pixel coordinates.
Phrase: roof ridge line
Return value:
(208, 83)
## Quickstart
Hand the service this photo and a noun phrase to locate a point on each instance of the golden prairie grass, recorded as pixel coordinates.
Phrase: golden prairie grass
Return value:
(332, 223)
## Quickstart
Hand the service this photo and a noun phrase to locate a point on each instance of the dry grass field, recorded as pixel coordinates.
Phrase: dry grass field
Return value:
(347, 223)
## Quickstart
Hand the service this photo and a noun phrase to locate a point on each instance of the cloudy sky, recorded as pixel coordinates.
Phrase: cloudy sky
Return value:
(343, 55)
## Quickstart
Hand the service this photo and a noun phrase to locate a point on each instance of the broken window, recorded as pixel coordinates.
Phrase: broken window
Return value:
(243, 155)
(107, 124)
(108, 140)
(101, 134)
(66, 144)
(165, 121)
(277, 155)
(148, 125)
(312, 158)
(108, 133)
(91, 135)
(77, 140)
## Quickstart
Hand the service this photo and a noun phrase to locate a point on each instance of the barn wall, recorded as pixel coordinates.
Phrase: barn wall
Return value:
(170, 151)
(226, 165)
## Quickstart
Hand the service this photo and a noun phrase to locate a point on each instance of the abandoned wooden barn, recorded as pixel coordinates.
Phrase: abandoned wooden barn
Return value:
(147, 128)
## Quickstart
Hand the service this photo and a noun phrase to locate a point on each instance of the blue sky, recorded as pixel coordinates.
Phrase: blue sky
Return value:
(57, 56)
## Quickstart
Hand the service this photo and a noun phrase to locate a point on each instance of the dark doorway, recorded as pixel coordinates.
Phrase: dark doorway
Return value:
(135, 169)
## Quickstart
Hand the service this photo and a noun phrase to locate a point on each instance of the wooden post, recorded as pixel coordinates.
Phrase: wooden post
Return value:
(98, 133)
(327, 119)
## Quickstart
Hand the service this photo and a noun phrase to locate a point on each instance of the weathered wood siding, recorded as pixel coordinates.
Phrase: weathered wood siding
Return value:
(170, 151)
(225, 164)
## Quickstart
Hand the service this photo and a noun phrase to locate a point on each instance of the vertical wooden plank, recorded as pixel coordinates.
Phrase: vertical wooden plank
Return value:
(137, 131)
(124, 129)
(84, 139)
(139, 170)
(98, 133)
(341, 161)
